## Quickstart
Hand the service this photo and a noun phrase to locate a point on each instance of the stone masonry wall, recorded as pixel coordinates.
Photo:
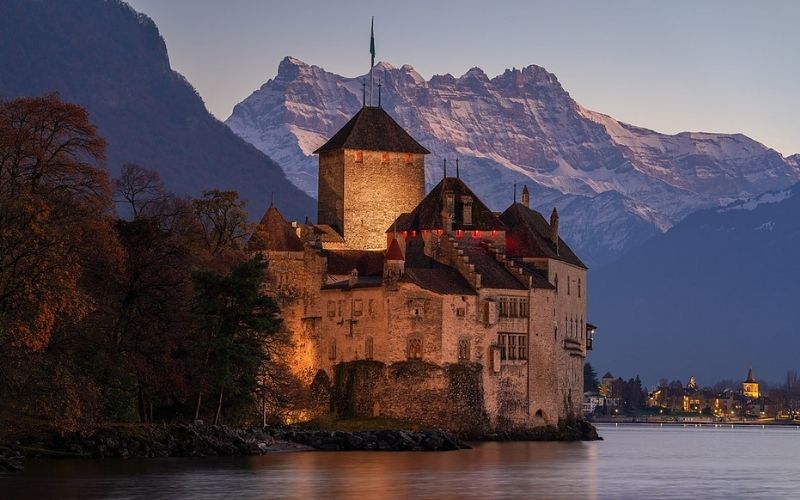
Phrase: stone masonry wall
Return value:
(376, 191)
(449, 397)
(330, 208)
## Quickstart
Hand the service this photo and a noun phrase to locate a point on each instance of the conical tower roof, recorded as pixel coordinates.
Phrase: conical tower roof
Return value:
(274, 233)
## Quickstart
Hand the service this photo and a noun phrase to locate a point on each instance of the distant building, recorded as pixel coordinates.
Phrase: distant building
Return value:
(426, 307)
(750, 386)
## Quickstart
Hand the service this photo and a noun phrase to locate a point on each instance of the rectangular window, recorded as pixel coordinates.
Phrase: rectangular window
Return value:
(408, 159)
(358, 307)
(340, 309)
(331, 308)
(332, 349)
(359, 157)
(513, 308)
(524, 309)
(513, 346)
(368, 348)
(463, 350)
(522, 347)
(461, 312)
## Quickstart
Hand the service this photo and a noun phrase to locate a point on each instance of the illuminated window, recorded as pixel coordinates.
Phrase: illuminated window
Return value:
(359, 157)
(463, 349)
(414, 348)
(408, 159)
(384, 157)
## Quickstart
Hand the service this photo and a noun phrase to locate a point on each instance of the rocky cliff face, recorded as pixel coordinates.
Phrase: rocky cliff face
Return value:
(112, 61)
(616, 185)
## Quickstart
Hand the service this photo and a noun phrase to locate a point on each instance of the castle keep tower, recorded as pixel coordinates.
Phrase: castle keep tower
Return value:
(370, 172)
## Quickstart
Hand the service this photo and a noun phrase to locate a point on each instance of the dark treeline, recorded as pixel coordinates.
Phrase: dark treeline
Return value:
(151, 315)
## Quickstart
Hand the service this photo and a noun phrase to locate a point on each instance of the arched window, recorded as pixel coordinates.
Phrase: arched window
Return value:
(414, 348)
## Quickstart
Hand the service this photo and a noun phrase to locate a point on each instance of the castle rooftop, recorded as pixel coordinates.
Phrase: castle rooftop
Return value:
(372, 129)
(529, 236)
(274, 233)
(428, 214)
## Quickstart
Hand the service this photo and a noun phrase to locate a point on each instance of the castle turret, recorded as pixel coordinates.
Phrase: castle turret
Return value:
(394, 263)
(526, 197)
(370, 172)
(554, 228)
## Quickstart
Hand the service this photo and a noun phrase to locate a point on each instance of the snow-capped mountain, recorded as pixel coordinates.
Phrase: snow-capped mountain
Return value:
(614, 184)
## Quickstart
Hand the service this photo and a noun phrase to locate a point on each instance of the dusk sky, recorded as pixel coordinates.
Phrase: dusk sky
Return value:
(714, 66)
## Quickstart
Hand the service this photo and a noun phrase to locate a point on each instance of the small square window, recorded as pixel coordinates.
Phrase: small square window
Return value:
(408, 159)
(359, 157)
(384, 157)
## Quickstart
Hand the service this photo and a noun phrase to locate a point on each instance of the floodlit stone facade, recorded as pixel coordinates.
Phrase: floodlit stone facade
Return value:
(431, 307)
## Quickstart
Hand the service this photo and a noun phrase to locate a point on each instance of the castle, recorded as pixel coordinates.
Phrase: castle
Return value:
(429, 308)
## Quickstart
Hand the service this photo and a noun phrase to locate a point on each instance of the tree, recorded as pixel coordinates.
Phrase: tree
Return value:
(238, 332)
(223, 222)
(54, 202)
(590, 382)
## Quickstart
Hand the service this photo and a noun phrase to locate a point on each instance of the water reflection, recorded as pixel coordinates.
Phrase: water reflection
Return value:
(633, 462)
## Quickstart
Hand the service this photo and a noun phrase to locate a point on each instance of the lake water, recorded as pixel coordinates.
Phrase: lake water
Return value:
(633, 461)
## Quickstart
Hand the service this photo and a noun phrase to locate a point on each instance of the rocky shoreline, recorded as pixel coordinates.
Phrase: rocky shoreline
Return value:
(183, 440)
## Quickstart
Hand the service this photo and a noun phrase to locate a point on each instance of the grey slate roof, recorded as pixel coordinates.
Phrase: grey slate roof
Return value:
(528, 235)
(372, 129)
(428, 214)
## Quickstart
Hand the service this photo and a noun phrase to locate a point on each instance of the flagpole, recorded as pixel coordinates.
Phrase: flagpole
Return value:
(372, 57)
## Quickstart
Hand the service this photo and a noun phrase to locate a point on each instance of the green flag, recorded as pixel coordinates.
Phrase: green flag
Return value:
(372, 40)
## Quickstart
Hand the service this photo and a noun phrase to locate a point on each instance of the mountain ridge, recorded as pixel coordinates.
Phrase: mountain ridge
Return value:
(519, 126)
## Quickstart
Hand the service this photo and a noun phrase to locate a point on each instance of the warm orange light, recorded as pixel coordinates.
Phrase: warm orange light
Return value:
(476, 234)
(494, 232)
(413, 234)
(460, 233)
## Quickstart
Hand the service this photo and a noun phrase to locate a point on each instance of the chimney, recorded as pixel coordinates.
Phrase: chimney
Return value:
(526, 197)
(554, 228)
(353, 279)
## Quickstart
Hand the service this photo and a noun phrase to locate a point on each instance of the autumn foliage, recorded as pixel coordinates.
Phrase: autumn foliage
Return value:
(119, 301)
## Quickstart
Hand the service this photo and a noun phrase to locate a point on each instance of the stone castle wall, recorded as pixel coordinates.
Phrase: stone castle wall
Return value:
(449, 396)
(383, 185)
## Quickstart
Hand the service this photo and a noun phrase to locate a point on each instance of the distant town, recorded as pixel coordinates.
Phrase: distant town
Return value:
(613, 399)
